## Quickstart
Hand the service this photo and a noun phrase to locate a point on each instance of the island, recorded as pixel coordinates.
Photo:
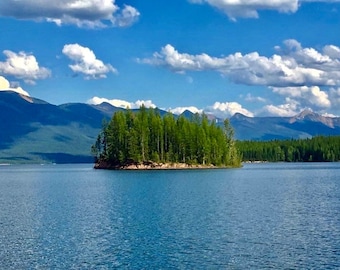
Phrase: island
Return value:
(145, 139)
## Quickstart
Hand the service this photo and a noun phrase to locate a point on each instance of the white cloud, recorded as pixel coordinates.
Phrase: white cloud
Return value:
(85, 13)
(307, 96)
(180, 110)
(4, 83)
(139, 103)
(180, 62)
(227, 109)
(284, 110)
(122, 103)
(219, 109)
(334, 94)
(23, 66)
(293, 66)
(5, 86)
(332, 51)
(127, 16)
(250, 8)
(300, 98)
(306, 77)
(85, 62)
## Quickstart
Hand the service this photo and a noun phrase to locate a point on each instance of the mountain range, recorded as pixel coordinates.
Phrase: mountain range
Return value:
(35, 131)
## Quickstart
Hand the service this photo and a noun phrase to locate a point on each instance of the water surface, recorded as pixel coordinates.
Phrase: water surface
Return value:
(261, 216)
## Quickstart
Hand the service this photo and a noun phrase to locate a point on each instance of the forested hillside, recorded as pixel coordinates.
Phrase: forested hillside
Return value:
(317, 149)
(146, 136)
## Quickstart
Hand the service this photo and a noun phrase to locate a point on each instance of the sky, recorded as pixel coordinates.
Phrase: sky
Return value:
(255, 57)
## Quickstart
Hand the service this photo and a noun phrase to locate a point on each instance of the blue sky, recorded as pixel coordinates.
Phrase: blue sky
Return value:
(255, 57)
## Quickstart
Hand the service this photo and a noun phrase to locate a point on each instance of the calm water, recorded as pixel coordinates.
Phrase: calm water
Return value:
(279, 216)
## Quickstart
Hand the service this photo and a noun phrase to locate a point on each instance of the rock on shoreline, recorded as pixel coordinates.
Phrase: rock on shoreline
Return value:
(149, 165)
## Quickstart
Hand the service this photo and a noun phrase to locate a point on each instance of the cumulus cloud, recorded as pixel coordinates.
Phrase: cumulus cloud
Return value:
(170, 58)
(122, 103)
(85, 62)
(250, 8)
(219, 109)
(6, 86)
(283, 110)
(307, 77)
(89, 13)
(293, 65)
(126, 17)
(4, 83)
(334, 95)
(227, 109)
(23, 66)
(180, 110)
(301, 98)
(307, 96)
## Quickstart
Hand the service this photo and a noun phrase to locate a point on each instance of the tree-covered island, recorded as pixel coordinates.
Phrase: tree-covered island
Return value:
(147, 140)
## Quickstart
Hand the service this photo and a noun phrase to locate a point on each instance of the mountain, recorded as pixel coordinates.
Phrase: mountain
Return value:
(304, 125)
(35, 131)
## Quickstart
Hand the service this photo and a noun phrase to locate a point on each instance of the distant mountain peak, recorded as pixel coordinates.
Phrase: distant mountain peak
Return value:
(14, 95)
(187, 114)
(239, 116)
(104, 106)
(309, 115)
(306, 113)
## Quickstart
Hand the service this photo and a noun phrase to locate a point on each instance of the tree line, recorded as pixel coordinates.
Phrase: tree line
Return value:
(145, 135)
(316, 149)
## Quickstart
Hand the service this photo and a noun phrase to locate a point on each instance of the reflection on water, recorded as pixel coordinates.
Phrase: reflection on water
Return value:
(260, 216)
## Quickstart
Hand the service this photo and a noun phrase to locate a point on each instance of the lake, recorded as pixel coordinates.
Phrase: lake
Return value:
(277, 216)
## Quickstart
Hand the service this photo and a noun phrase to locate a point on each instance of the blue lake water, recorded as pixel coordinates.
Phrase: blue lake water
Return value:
(277, 216)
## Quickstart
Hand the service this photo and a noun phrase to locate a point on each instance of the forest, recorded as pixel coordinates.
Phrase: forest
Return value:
(316, 149)
(146, 136)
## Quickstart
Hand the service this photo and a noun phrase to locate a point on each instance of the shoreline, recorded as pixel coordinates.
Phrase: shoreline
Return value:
(155, 166)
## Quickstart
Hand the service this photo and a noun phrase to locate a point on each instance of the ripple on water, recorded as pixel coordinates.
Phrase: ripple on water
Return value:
(259, 217)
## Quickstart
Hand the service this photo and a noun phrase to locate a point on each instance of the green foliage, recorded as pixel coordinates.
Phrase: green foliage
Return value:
(146, 136)
(317, 149)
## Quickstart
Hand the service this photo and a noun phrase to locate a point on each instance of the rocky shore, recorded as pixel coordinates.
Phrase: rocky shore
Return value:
(149, 165)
